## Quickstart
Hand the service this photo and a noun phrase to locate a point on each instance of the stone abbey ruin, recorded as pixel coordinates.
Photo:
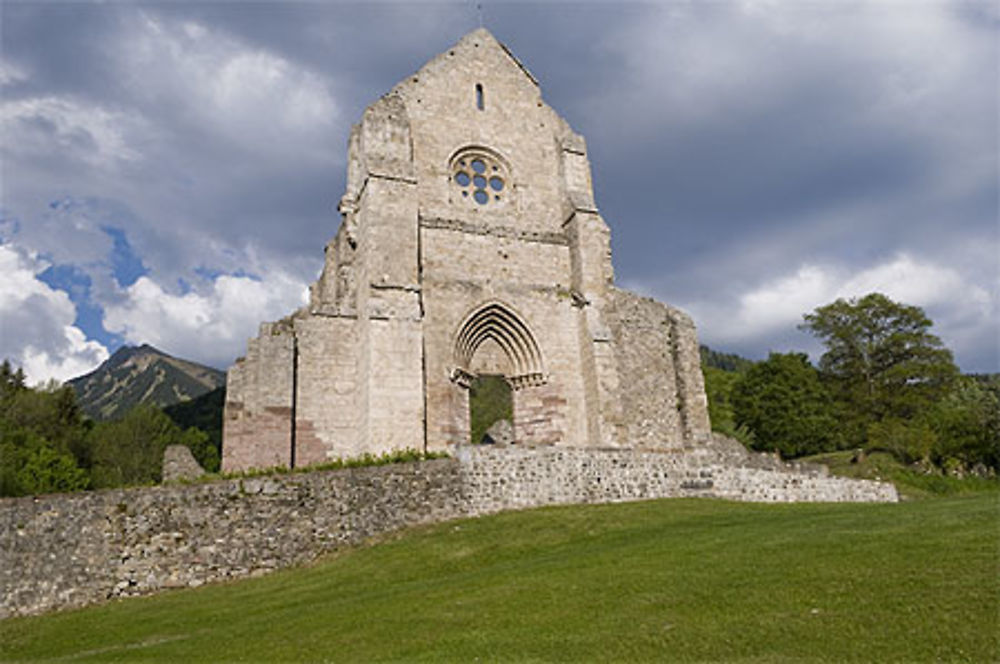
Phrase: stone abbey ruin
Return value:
(470, 244)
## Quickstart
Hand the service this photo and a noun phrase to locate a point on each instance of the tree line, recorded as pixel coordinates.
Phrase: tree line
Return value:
(884, 383)
(48, 445)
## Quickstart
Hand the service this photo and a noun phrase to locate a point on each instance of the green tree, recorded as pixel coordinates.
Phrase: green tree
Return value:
(130, 450)
(881, 359)
(41, 432)
(966, 423)
(202, 448)
(11, 380)
(46, 470)
(910, 441)
(30, 464)
(730, 362)
(205, 414)
(47, 445)
(49, 411)
(786, 406)
(719, 388)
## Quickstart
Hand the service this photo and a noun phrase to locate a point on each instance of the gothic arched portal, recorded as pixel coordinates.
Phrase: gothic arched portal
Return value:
(495, 341)
(495, 323)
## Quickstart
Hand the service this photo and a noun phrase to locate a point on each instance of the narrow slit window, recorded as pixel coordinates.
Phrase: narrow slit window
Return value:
(480, 102)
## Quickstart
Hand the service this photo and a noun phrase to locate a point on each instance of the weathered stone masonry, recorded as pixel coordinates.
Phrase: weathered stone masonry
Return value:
(71, 550)
(470, 243)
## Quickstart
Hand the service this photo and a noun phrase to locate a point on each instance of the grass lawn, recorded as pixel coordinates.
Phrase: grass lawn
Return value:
(664, 580)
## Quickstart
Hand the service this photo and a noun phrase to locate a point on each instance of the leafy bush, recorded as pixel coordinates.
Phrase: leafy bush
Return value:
(30, 464)
(130, 450)
(967, 426)
(910, 442)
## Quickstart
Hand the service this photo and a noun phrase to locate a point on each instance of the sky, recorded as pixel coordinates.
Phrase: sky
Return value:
(169, 171)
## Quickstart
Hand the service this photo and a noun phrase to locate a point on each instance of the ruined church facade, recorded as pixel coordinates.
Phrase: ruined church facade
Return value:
(470, 243)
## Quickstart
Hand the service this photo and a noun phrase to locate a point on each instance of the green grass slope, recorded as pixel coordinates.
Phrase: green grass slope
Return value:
(671, 580)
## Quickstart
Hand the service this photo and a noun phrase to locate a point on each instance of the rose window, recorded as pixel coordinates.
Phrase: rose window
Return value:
(480, 177)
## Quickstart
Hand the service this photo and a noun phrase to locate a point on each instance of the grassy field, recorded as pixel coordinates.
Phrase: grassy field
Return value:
(677, 580)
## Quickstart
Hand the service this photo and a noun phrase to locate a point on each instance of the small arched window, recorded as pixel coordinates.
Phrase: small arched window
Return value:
(480, 100)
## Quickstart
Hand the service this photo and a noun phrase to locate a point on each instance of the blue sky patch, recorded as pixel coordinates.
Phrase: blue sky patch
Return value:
(210, 274)
(126, 265)
(89, 316)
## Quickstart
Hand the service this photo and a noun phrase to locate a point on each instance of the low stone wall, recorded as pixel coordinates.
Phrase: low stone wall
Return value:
(69, 550)
(515, 478)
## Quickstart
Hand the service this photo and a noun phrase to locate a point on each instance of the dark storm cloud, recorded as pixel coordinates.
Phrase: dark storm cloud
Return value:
(64, 46)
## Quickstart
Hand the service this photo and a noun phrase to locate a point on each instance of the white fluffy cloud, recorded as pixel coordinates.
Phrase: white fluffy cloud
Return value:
(960, 308)
(37, 331)
(210, 327)
(195, 150)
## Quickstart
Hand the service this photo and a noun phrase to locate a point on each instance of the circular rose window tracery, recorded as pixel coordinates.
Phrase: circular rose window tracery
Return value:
(480, 176)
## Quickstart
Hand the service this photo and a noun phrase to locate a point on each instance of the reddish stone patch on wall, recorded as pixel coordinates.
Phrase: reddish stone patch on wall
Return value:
(259, 440)
(539, 413)
(309, 448)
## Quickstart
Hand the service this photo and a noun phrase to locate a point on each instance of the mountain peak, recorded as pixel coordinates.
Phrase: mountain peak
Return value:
(136, 375)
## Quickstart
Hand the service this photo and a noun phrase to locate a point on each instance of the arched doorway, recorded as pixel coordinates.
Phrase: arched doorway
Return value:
(498, 364)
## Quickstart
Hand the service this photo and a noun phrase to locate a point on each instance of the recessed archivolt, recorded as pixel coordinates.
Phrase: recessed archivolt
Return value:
(498, 323)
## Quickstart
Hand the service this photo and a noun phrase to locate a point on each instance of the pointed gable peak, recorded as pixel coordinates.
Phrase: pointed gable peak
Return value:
(485, 38)
(478, 33)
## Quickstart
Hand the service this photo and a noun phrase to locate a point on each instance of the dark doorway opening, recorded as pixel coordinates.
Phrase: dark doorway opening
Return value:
(490, 401)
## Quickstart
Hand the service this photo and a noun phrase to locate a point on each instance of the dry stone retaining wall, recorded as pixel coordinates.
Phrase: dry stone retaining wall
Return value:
(69, 550)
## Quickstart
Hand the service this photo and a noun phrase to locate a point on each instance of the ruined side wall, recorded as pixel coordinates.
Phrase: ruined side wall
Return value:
(326, 412)
(661, 387)
(70, 550)
(257, 421)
